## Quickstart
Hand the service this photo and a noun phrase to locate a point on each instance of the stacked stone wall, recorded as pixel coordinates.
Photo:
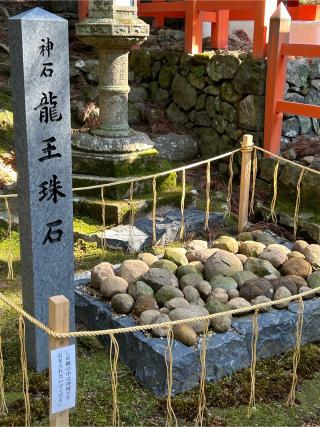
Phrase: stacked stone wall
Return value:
(221, 96)
(217, 96)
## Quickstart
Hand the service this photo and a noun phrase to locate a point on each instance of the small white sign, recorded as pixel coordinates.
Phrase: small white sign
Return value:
(124, 3)
(63, 379)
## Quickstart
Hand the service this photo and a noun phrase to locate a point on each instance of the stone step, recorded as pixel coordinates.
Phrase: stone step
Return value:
(118, 211)
(164, 183)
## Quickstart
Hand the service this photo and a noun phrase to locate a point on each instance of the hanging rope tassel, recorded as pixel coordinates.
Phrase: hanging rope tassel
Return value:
(202, 395)
(254, 340)
(229, 196)
(297, 208)
(183, 196)
(24, 369)
(114, 358)
(131, 219)
(254, 179)
(296, 354)
(275, 193)
(103, 214)
(169, 362)
(3, 406)
(10, 258)
(208, 187)
(154, 211)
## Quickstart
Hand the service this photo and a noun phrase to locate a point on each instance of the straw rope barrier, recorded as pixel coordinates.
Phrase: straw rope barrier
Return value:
(114, 346)
(296, 354)
(276, 156)
(254, 340)
(154, 211)
(10, 258)
(179, 169)
(116, 331)
(275, 192)
(230, 182)
(254, 179)
(24, 370)
(202, 395)
(208, 201)
(171, 416)
(3, 406)
(143, 178)
(114, 359)
(297, 207)
(183, 197)
(103, 215)
(114, 356)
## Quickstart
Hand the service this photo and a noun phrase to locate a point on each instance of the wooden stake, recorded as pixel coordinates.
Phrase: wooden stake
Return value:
(246, 152)
(58, 322)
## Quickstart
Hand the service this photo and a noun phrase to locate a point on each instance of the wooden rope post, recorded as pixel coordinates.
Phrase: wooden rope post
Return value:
(246, 152)
(280, 24)
(58, 322)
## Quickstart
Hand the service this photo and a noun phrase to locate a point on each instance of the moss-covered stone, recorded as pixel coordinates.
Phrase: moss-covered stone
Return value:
(140, 63)
(210, 106)
(251, 77)
(197, 77)
(251, 112)
(166, 75)
(223, 67)
(184, 95)
(176, 115)
(134, 115)
(228, 92)
(117, 165)
(6, 130)
(5, 98)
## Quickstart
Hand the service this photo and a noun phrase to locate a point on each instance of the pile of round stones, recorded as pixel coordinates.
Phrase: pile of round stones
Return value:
(197, 280)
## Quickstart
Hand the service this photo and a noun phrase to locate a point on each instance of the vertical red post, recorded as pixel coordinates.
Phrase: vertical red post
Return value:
(263, 12)
(158, 20)
(280, 25)
(83, 7)
(220, 30)
(193, 28)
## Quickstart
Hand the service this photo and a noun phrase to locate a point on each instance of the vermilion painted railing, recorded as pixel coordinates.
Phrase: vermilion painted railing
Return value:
(197, 11)
(218, 12)
(283, 42)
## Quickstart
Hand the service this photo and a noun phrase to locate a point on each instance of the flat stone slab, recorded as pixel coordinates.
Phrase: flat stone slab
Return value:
(136, 238)
(226, 352)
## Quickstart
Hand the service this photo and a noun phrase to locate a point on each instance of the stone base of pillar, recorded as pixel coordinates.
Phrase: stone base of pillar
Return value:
(97, 160)
(113, 157)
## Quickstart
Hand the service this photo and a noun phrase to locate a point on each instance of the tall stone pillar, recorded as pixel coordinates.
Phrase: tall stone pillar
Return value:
(114, 150)
(113, 93)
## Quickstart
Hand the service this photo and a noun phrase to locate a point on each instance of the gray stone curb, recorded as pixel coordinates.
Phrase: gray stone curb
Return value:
(226, 352)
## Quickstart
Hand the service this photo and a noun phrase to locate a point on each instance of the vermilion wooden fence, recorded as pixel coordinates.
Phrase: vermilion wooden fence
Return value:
(286, 39)
(219, 13)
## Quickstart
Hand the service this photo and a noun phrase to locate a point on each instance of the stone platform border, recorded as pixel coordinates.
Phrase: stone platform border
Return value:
(226, 352)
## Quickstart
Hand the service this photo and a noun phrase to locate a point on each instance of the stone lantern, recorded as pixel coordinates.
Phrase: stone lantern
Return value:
(112, 27)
